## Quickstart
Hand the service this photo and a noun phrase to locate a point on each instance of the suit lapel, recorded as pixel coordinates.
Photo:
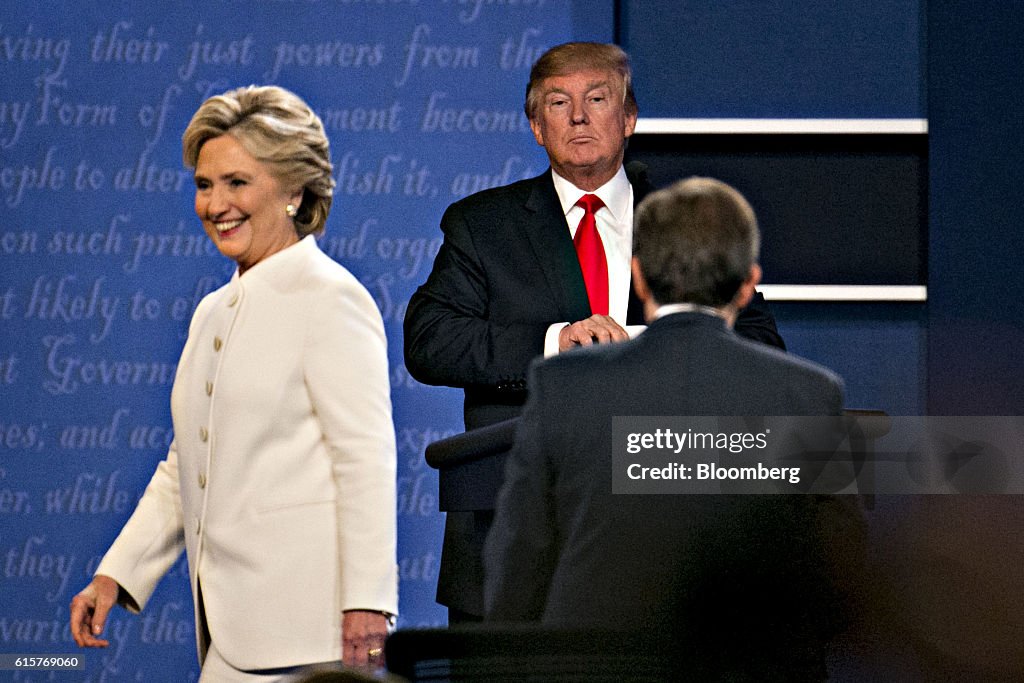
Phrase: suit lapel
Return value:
(548, 234)
(635, 308)
(636, 173)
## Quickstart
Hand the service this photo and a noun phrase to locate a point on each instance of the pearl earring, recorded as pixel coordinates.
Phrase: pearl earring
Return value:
(291, 210)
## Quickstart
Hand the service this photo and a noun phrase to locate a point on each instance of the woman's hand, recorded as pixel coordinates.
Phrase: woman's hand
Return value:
(89, 610)
(362, 638)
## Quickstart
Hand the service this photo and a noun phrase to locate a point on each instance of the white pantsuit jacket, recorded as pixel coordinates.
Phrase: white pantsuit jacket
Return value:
(280, 482)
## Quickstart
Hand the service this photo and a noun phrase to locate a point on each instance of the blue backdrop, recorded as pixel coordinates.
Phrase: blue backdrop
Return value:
(102, 260)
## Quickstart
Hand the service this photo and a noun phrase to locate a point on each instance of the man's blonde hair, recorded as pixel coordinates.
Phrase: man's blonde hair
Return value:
(569, 58)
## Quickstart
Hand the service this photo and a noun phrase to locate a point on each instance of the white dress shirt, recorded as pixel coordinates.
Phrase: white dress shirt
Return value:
(669, 309)
(615, 225)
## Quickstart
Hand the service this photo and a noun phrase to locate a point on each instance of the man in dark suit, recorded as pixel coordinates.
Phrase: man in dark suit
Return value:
(737, 580)
(507, 285)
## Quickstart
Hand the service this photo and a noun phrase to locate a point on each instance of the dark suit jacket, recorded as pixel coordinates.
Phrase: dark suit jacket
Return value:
(749, 570)
(506, 271)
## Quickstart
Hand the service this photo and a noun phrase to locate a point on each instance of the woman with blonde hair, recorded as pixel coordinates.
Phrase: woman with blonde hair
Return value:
(280, 482)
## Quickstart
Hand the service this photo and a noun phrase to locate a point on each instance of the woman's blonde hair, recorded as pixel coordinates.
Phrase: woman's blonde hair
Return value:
(278, 129)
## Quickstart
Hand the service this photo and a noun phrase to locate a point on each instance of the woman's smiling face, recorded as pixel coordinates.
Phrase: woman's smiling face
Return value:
(242, 204)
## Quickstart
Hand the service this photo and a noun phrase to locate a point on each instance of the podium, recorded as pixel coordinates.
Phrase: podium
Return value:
(521, 653)
(471, 466)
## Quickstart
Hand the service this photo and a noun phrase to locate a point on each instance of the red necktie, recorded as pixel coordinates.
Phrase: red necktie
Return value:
(590, 251)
